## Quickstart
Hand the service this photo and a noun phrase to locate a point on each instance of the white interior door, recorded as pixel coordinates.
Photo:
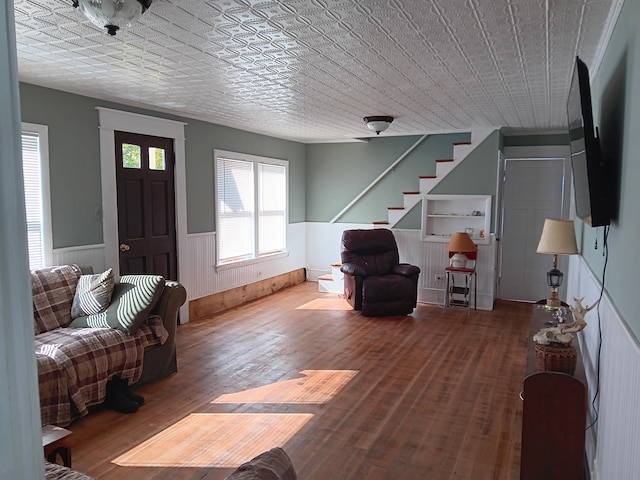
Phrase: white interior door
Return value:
(532, 191)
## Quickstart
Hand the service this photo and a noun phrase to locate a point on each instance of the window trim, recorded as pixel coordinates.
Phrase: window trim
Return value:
(47, 231)
(255, 159)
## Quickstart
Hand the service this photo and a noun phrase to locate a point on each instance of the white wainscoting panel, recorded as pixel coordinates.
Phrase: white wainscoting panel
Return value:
(323, 246)
(201, 277)
(204, 279)
(434, 258)
(85, 255)
(613, 442)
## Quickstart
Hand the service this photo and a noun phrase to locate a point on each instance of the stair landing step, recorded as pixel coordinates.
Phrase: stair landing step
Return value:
(326, 276)
(461, 143)
(395, 208)
(428, 176)
(411, 193)
(442, 160)
(383, 222)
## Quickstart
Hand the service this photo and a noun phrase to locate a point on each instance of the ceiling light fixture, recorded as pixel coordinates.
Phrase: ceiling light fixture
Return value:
(378, 123)
(112, 14)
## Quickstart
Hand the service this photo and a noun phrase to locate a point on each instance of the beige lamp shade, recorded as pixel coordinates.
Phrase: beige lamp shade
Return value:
(461, 242)
(558, 237)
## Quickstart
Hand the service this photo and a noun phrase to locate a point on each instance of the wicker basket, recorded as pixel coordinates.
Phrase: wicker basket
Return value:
(556, 358)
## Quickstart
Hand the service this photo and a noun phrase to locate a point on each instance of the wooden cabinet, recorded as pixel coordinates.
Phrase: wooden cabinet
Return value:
(444, 215)
(554, 417)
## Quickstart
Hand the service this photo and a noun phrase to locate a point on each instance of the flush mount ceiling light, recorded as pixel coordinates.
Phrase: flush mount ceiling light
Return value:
(112, 14)
(378, 123)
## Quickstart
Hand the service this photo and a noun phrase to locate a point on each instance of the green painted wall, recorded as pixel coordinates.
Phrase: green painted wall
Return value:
(477, 175)
(74, 158)
(338, 172)
(323, 178)
(74, 161)
(413, 219)
(535, 140)
(203, 138)
(615, 90)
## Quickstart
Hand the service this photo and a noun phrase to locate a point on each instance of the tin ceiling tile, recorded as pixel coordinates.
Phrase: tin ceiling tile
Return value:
(309, 70)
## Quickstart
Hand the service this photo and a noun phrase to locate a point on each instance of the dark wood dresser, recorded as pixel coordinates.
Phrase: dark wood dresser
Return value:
(554, 416)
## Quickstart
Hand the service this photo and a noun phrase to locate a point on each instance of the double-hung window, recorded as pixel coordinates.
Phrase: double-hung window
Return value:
(35, 168)
(251, 207)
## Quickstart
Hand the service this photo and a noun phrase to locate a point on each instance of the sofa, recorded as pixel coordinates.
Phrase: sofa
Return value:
(273, 464)
(53, 471)
(91, 328)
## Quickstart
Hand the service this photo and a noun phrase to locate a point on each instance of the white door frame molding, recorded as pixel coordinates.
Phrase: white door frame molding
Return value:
(110, 121)
(530, 154)
(21, 452)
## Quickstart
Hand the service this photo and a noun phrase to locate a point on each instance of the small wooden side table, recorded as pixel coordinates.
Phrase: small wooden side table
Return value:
(55, 441)
(554, 415)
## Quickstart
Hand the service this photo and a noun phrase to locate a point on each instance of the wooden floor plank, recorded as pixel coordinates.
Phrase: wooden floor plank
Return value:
(430, 395)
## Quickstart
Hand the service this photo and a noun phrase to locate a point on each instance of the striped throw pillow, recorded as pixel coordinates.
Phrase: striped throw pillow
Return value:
(134, 296)
(93, 294)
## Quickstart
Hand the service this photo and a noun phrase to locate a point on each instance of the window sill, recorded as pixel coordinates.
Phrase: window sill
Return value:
(252, 261)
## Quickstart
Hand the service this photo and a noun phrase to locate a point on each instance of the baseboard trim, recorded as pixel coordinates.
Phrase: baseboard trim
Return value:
(208, 306)
(436, 296)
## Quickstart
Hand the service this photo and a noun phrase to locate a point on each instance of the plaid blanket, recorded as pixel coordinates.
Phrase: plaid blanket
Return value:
(74, 365)
(54, 471)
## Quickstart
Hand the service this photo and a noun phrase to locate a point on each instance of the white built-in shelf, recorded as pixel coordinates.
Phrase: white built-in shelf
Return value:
(444, 215)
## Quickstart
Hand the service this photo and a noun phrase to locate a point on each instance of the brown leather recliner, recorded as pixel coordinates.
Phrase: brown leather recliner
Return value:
(374, 279)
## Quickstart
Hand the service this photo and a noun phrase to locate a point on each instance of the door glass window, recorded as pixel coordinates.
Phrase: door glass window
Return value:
(131, 156)
(156, 158)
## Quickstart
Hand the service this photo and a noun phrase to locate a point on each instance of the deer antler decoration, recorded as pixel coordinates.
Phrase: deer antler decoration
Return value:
(563, 335)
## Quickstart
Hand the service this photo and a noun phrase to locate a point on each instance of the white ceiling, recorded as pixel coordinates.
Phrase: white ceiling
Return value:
(309, 70)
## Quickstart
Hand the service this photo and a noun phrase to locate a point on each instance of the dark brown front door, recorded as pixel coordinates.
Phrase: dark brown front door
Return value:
(146, 206)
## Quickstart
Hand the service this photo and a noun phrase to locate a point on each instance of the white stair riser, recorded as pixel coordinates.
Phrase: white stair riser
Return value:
(411, 199)
(460, 152)
(330, 286)
(394, 216)
(336, 274)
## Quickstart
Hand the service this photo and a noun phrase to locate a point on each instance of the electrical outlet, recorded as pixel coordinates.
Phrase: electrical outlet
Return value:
(439, 277)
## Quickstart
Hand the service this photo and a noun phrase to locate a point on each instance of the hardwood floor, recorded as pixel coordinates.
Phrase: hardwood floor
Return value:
(427, 396)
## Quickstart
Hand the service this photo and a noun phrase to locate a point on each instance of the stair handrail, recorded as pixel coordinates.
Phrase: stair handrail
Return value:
(380, 177)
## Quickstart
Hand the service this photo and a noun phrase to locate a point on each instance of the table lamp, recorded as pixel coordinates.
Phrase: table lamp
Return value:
(558, 238)
(460, 243)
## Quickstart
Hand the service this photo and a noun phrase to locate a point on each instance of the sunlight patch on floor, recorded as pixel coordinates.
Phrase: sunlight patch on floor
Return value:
(327, 303)
(314, 387)
(221, 440)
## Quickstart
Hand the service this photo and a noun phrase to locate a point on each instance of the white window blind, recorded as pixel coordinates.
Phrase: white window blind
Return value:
(251, 212)
(272, 201)
(35, 173)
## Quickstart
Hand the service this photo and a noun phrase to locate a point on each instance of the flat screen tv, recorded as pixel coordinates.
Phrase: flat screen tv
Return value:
(590, 173)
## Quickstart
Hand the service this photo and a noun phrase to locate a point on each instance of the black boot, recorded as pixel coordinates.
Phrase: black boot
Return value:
(139, 399)
(116, 399)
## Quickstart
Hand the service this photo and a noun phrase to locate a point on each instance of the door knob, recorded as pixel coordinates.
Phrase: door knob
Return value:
(124, 247)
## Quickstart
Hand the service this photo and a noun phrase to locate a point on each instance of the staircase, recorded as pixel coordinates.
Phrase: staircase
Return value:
(428, 182)
(332, 282)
